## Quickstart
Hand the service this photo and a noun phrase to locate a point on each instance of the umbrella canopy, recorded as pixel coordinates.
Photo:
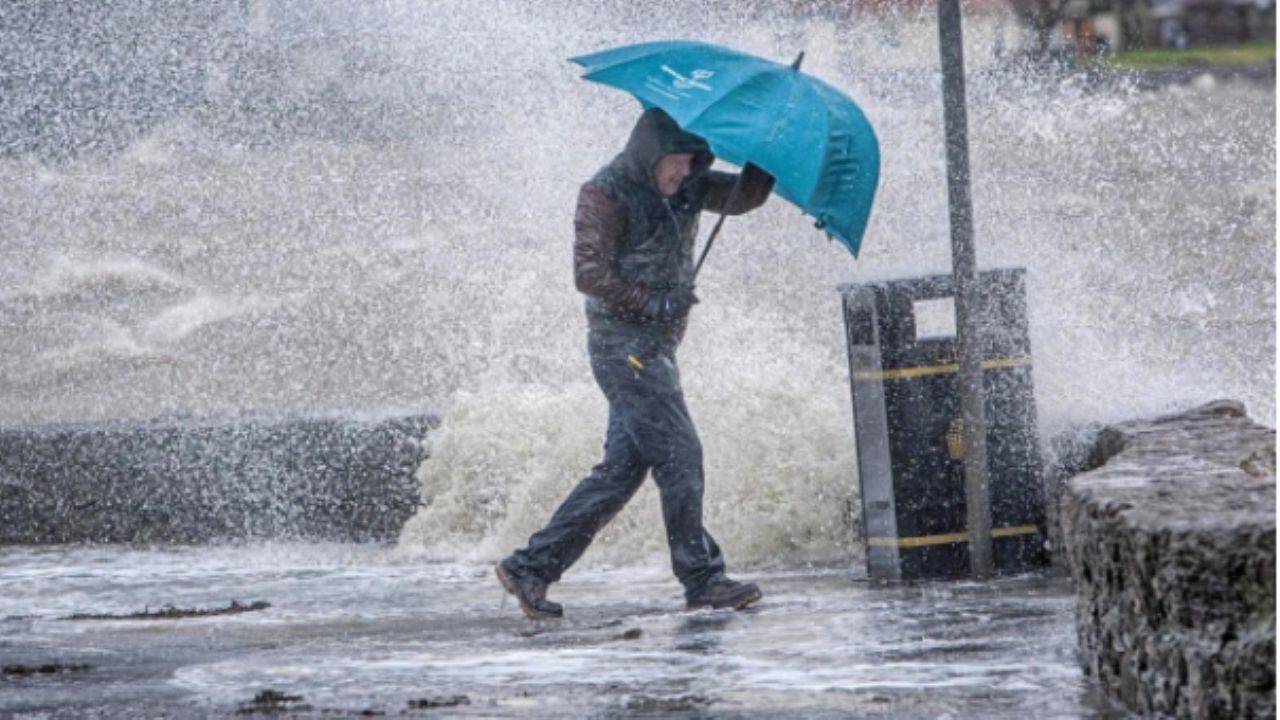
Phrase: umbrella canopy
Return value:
(810, 136)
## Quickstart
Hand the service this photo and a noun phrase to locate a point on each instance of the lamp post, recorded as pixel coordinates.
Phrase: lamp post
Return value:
(964, 277)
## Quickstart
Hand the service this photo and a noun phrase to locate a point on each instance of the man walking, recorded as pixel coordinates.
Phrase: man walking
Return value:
(635, 228)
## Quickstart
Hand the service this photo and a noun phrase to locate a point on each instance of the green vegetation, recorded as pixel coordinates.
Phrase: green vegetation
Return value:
(1160, 58)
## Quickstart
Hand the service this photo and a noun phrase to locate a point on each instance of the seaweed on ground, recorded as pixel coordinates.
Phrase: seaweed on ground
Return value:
(439, 702)
(45, 669)
(269, 702)
(170, 612)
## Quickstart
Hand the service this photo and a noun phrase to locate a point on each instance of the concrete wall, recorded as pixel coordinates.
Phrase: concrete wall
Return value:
(1171, 542)
(201, 480)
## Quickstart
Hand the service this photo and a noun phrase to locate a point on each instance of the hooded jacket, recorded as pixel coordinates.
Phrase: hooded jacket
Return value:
(630, 241)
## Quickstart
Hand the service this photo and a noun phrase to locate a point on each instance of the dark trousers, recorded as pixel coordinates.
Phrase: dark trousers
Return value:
(649, 429)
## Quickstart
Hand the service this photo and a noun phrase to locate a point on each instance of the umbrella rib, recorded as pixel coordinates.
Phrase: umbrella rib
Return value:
(825, 143)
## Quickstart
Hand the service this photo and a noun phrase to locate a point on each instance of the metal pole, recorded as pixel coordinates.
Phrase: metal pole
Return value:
(964, 274)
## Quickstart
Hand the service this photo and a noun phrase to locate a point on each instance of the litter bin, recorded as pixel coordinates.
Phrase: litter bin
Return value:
(907, 420)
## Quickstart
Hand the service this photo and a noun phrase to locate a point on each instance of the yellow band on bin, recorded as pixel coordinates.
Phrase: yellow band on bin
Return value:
(924, 540)
(923, 370)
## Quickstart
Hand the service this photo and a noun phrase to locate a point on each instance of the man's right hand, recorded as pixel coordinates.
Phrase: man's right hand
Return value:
(666, 306)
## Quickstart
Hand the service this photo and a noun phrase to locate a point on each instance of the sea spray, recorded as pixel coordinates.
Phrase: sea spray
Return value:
(394, 229)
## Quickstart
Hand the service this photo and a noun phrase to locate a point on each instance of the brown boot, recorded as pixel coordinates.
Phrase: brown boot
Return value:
(722, 592)
(530, 592)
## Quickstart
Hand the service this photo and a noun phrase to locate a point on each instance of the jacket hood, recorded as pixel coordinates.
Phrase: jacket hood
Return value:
(656, 134)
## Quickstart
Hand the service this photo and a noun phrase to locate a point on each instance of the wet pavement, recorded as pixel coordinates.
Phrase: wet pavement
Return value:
(360, 629)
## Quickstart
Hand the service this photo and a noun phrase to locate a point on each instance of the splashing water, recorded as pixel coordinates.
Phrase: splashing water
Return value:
(371, 209)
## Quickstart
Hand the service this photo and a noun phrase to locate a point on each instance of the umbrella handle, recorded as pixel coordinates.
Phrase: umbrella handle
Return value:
(733, 195)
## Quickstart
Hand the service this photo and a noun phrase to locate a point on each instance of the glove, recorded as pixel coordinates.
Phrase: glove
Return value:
(665, 306)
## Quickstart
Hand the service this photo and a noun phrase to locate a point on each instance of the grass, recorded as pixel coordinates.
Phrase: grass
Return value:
(1162, 58)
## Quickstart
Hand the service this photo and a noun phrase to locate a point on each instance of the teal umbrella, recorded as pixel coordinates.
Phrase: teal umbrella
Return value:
(810, 136)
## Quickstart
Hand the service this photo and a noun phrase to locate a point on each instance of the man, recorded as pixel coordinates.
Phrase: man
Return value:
(635, 228)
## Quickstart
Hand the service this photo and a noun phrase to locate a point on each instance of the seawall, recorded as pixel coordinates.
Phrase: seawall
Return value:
(183, 480)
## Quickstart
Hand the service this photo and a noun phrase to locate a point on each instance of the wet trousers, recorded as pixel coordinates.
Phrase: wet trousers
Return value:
(649, 430)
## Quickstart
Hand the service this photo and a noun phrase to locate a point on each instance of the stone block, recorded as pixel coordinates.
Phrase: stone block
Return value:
(1171, 543)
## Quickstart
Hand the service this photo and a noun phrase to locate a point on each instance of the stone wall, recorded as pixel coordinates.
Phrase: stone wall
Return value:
(200, 480)
(1171, 542)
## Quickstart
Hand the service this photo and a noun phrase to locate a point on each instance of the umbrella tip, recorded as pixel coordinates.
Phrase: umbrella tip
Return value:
(799, 59)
